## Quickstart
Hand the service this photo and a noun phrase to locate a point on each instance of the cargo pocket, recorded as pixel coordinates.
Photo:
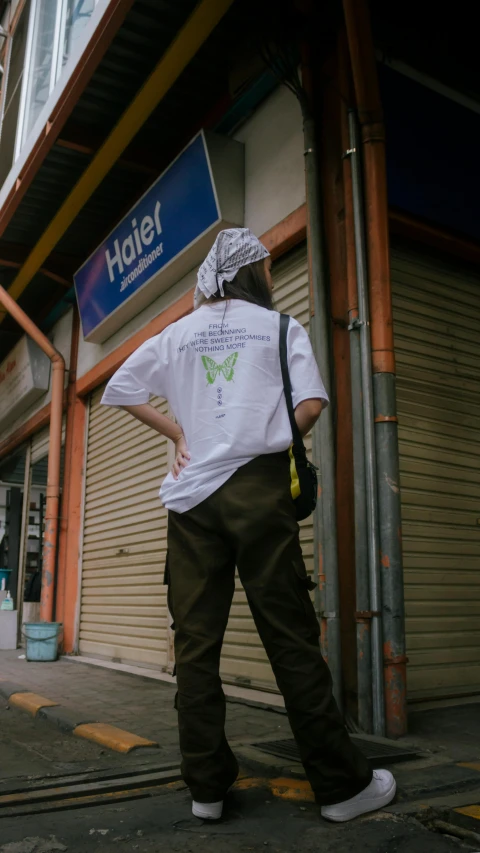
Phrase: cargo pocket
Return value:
(166, 581)
(305, 585)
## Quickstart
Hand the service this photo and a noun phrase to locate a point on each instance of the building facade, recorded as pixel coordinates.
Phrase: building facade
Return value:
(102, 105)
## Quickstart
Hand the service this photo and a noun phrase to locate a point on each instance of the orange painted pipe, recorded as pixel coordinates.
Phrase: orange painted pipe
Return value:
(351, 265)
(71, 565)
(69, 472)
(365, 81)
(55, 446)
(362, 57)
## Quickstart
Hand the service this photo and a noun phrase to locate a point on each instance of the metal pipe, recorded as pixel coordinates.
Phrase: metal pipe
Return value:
(323, 446)
(54, 452)
(388, 480)
(65, 514)
(362, 323)
(362, 615)
(365, 79)
(362, 591)
(327, 598)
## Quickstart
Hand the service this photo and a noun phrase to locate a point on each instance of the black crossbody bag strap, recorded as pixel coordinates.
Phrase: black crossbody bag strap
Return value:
(287, 385)
(307, 477)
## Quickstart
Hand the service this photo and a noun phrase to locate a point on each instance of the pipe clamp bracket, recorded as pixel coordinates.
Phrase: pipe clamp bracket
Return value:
(360, 615)
(356, 324)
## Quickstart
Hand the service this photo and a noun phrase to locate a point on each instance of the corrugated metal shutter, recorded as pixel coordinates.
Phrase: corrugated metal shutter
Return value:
(437, 318)
(123, 606)
(244, 660)
(40, 442)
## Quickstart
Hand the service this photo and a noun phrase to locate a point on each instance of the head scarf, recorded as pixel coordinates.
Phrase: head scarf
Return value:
(233, 248)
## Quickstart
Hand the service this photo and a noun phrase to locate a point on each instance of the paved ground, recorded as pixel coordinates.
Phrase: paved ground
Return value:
(252, 823)
(140, 705)
(260, 814)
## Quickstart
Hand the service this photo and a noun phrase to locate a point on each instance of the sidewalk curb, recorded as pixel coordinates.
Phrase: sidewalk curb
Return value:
(8, 688)
(65, 718)
(71, 720)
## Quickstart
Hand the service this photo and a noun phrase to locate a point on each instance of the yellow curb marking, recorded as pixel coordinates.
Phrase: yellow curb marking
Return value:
(284, 788)
(250, 782)
(111, 737)
(292, 789)
(470, 765)
(470, 811)
(31, 702)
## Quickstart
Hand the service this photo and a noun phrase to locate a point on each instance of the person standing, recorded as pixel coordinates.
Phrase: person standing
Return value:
(230, 505)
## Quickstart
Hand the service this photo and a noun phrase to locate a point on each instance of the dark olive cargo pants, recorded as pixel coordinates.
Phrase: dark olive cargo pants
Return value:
(250, 523)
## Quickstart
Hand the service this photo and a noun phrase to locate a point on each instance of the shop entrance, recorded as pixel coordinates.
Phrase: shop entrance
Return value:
(12, 486)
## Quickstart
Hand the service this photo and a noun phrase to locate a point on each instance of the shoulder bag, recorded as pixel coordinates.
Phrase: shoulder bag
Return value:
(304, 483)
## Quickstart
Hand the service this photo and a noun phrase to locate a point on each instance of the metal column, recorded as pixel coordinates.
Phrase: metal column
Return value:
(325, 522)
(378, 705)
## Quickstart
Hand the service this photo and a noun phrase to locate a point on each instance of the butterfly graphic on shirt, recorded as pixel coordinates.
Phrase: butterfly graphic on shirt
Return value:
(213, 369)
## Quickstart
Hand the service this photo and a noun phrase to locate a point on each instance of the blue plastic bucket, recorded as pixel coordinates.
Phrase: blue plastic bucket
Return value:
(42, 640)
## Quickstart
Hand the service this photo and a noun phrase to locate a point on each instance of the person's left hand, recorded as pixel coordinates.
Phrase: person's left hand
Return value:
(182, 456)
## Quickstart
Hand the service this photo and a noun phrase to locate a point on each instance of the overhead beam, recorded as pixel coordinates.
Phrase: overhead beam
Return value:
(65, 282)
(193, 34)
(77, 138)
(57, 261)
(58, 268)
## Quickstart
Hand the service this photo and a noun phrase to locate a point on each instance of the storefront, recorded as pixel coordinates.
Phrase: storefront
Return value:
(25, 378)
(436, 304)
(123, 614)
(12, 480)
(112, 540)
(436, 310)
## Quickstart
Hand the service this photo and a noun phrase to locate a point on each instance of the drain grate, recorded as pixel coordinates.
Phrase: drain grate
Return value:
(377, 753)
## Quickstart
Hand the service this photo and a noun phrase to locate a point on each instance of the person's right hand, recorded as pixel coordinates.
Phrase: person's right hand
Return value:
(182, 456)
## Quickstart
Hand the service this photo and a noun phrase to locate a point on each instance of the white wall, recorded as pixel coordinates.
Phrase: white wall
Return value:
(274, 167)
(60, 336)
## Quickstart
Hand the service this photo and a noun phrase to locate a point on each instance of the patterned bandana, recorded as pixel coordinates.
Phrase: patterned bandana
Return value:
(233, 248)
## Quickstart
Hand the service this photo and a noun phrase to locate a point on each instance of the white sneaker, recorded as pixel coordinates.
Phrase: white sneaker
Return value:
(207, 811)
(379, 793)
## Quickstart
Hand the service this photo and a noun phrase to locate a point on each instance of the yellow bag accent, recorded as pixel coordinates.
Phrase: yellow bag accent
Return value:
(294, 481)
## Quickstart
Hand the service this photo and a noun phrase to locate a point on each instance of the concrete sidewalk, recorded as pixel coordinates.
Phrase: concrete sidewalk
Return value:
(138, 704)
(438, 791)
(446, 737)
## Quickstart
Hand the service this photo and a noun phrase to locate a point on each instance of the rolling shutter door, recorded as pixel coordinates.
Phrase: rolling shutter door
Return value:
(244, 660)
(123, 606)
(437, 317)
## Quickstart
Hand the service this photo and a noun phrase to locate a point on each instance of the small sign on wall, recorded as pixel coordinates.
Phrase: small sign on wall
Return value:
(24, 378)
(165, 235)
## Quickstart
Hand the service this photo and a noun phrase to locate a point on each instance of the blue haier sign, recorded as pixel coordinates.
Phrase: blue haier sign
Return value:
(165, 235)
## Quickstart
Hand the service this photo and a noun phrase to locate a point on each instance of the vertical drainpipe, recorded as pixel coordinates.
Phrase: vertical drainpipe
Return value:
(383, 361)
(63, 531)
(54, 452)
(362, 324)
(323, 445)
(363, 614)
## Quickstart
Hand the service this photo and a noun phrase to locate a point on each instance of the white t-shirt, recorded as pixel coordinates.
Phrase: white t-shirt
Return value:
(219, 369)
